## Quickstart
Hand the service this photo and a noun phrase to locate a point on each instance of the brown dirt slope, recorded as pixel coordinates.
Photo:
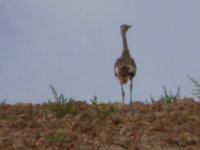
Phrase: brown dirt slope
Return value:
(157, 126)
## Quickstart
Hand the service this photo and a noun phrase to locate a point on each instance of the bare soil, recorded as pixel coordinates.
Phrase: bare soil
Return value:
(140, 126)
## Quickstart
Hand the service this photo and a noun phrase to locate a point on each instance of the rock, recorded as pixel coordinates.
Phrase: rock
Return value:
(20, 123)
(83, 146)
(79, 117)
(159, 114)
(20, 146)
(22, 116)
(6, 141)
(121, 140)
(196, 140)
(116, 120)
(126, 130)
(172, 148)
(32, 124)
(116, 147)
(103, 136)
(50, 115)
(133, 146)
(146, 139)
(194, 118)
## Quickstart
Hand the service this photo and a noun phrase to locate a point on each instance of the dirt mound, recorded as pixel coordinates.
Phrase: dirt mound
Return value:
(157, 126)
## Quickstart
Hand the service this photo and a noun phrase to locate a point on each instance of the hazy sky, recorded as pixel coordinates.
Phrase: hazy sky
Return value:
(73, 45)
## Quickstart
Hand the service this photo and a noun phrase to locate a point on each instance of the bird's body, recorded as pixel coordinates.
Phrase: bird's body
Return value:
(125, 67)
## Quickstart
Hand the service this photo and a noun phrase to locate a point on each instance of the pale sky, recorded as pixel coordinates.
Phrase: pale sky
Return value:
(73, 45)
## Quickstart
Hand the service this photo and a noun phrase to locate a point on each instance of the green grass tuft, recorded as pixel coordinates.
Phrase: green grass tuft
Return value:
(102, 111)
(169, 97)
(196, 90)
(4, 102)
(62, 106)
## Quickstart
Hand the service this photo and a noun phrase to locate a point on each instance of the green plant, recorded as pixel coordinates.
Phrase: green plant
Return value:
(3, 102)
(169, 97)
(29, 114)
(151, 100)
(4, 115)
(102, 111)
(196, 91)
(61, 105)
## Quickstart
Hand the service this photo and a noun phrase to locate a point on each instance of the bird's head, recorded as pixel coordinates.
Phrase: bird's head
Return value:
(124, 27)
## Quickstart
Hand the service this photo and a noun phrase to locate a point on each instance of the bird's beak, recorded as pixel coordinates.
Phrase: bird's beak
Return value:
(129, 26)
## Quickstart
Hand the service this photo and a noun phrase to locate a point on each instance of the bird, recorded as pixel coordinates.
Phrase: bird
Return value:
(125, 66)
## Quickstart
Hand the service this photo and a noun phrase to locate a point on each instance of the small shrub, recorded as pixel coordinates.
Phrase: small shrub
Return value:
(4, 102)
(169, 97)
(4, 115)
(151, 100)
(196, 90)
(102, 111)
(61, 106)
(29, 115)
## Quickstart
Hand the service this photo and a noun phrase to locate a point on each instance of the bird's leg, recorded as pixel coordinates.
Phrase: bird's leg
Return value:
(131, 90)
(123, 94)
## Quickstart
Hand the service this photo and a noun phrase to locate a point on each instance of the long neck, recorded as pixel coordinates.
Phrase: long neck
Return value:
(125, 46)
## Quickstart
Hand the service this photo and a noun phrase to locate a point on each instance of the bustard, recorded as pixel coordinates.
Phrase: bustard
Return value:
(125, 67)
